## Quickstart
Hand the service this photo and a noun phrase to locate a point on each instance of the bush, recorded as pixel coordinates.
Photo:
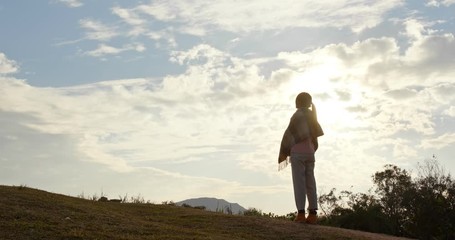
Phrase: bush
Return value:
(252, 212)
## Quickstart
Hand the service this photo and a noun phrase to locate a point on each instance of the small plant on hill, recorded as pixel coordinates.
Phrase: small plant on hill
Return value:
(138, 199)
(258, 213)
(253, 212)
(171, 203)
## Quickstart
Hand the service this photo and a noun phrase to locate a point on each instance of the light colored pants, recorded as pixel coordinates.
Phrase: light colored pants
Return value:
(304, 181)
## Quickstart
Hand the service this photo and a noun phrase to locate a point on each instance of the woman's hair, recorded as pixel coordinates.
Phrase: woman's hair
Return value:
(303, 100)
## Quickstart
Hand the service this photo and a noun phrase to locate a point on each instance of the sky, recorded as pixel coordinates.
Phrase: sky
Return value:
(171, 100)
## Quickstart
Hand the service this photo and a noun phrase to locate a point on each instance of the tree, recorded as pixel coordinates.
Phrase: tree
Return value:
(433, 210)
(423, 207)
(395, 190)
(354, 211)
(328, 203)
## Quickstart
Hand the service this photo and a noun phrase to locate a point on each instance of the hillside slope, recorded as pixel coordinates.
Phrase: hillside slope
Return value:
(27, 213)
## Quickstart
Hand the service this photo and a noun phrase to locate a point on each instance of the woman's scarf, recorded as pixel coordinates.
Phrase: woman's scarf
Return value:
(303, 125)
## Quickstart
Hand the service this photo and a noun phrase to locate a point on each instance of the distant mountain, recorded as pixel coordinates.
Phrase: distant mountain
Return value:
(214, 204)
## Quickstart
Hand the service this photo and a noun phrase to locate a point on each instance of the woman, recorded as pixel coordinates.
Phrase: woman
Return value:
(300, 142)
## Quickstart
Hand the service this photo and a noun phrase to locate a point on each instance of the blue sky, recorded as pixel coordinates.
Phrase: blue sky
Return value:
(181, 99)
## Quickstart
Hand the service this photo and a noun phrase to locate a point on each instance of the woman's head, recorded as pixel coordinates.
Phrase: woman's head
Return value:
(303, 100)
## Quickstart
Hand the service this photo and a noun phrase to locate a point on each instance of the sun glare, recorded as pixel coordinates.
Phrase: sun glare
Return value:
(332, 112)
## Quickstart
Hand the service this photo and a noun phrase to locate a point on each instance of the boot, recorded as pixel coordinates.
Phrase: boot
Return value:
(300, 218)
(311, 219)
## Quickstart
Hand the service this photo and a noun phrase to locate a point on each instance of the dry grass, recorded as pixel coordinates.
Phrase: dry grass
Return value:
(27, 213)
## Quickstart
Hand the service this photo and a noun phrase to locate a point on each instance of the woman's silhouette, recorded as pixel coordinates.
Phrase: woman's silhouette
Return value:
(300, 142)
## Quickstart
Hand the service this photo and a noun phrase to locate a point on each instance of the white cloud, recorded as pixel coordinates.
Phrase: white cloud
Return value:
(193, 30)
(381, 63)
(442, 93)
(450, 111)
(163, 21)
(128, 16)
(438, 3)
(97, 30)
(72, 3)
(125, 116)
(138, 24)
(439, 142)
(124, 126)
(7, 66)
(199, 18)
(139, 47)
(104, 50)
(161, 11)
(231, 16)
(165, 35)
(414, 29)
(404, 150)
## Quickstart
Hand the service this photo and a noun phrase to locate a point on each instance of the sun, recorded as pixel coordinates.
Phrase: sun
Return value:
(332, 110)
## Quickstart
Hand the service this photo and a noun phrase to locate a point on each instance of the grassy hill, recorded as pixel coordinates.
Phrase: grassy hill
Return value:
(27, 213)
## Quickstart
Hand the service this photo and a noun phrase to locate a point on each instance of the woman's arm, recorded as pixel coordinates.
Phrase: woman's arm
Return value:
(315, 143)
